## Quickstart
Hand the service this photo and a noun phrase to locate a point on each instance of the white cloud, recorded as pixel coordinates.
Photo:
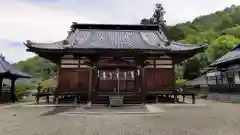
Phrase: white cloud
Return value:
(49, 21)
(186, 10)
(21, 21)
(14, 53)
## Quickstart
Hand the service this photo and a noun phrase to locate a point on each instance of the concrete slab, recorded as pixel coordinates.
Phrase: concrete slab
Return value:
(154, 109)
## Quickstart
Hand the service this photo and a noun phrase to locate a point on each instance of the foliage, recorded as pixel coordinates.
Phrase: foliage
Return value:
(49, 84)
(21, 89)
(38, 67)
(157, 17)
(221, 46)
(175, 33)
(235, 31)
(180, 83)
(191, 68)
(220, 30)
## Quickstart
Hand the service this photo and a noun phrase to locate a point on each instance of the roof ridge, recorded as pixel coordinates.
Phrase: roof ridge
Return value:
(76, 25)
(1, 62)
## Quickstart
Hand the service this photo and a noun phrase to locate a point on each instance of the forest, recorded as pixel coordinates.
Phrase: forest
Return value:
(220, 31)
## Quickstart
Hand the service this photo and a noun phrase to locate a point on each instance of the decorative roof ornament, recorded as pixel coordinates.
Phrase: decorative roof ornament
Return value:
(168, 43)
(2, 57)
(65, 42)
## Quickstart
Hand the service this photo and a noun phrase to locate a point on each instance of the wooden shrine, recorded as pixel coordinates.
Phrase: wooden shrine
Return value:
(97, 61)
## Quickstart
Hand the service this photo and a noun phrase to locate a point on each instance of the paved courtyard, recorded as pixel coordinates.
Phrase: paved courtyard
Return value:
(206, 118)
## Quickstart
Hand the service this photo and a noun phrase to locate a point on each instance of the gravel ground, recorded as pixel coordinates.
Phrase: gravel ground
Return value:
(213, 119)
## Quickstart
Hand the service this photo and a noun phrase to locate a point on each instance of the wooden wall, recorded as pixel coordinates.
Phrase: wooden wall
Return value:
(159, 74)
(159, 78)
(75, 80)
(74, 76)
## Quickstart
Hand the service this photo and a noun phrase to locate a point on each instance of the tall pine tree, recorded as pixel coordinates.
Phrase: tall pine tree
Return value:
(157, 17)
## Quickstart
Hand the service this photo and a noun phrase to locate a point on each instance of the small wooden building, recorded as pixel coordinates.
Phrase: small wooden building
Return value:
(7, 71)
(99, 60)
(224, 74)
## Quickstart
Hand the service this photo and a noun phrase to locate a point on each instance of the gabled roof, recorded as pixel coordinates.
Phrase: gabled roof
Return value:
(229, 57)
(103, 36)
(6, 69)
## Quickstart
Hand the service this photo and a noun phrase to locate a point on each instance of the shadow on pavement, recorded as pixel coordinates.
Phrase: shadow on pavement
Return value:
(58, 110)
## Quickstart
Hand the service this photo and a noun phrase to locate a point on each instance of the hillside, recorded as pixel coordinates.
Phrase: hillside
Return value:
(220, 30)
(38, 67)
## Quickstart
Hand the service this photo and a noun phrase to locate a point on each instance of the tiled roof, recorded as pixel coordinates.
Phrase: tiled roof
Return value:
(6, 67)
(230, 56)
(115, 37)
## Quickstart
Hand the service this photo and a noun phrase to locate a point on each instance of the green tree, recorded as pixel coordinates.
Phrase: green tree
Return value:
(157, 17)
(221, 46)
(175, 33)
(38, 67)
(146, 21)
(191, 68)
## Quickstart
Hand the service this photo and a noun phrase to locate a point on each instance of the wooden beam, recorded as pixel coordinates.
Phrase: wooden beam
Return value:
(13, 94)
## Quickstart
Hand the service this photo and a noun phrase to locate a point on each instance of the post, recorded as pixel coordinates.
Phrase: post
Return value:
(13, 94)
(183, 98)
(136, 80)
(48, 92)
(175, 98)
(118, 81)
(193, 99)
(38, 93)
(90, 87)
(143, 85)
(1, 82)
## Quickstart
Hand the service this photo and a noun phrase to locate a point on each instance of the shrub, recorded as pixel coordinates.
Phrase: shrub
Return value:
(180, 83)
(21, 89)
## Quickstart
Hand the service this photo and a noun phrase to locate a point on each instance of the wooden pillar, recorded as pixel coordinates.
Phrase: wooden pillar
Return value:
(193, 99)
(57, 85)
(47, 98)
(136, 79)
(38, 93)
(143, 84)
(175, 98)
(90, 85)
(1, 83)
(13, 94)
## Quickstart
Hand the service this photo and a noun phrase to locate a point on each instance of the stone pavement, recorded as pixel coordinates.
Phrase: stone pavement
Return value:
(209, 119)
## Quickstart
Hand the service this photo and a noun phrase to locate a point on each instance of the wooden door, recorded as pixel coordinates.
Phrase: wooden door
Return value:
(73, 80)
(127, 80)
(159, 78)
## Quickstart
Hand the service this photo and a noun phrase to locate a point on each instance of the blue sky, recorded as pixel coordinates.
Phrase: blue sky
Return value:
(49, 20)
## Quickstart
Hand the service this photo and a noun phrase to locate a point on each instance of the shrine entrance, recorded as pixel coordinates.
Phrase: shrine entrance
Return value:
(117, 80)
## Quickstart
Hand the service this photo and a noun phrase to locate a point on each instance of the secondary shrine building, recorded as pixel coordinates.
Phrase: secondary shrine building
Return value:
(96, 61)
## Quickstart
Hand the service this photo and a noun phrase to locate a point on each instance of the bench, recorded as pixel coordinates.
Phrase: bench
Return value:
(43, 93)
(175, 93)
(67, 95)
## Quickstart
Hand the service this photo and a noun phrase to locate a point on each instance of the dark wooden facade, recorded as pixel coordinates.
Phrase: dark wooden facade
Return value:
(225, 80)
(97, 61)
(224, 76)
